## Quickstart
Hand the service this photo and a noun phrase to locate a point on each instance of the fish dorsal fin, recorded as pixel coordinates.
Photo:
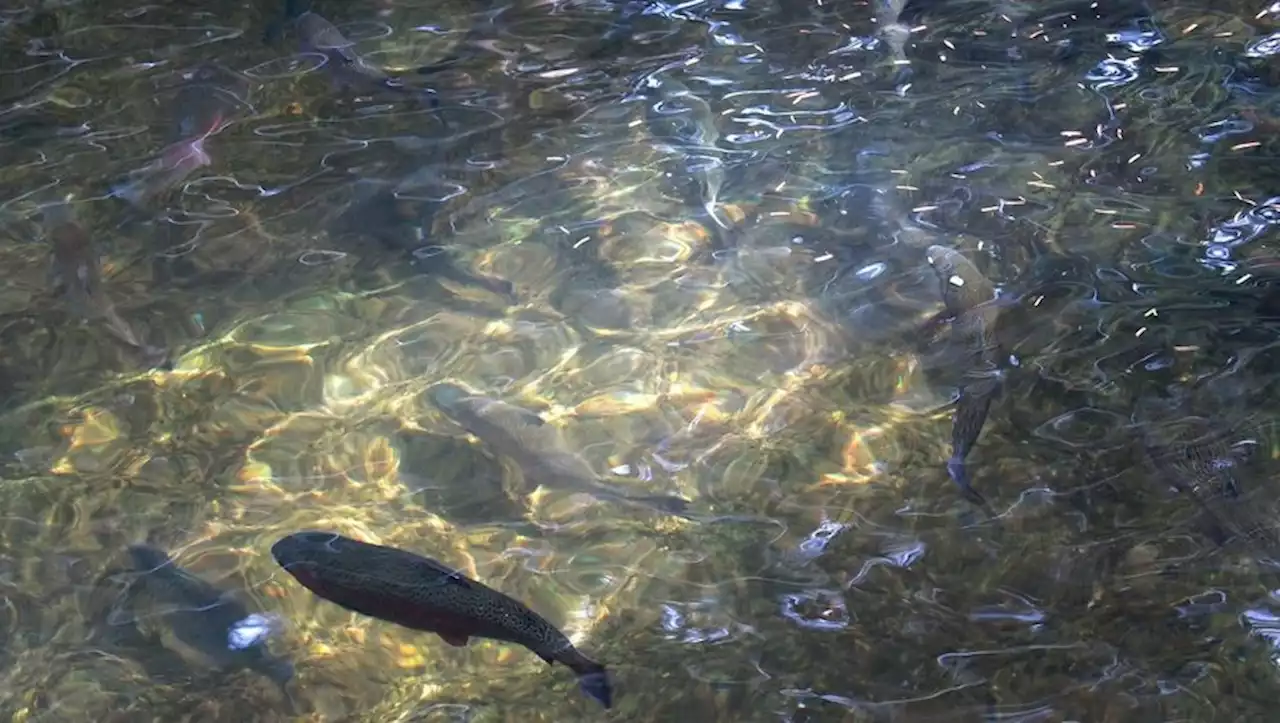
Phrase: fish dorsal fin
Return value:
(442, 573)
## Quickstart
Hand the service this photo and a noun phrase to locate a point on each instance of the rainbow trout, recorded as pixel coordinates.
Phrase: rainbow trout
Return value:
(348, 69)
(970, 299)
(538, 448)
(422, 594)
(208, 100)
(202, 618)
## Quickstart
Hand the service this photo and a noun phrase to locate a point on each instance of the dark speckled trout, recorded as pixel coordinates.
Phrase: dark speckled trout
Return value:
(971, 301)
(420, 593)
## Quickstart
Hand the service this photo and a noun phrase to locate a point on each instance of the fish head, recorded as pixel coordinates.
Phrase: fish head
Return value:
(450, 398)
(597, 687)
(963, 285)
(309, 550)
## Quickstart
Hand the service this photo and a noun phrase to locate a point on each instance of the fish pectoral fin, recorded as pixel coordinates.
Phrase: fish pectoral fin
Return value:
(457, 640)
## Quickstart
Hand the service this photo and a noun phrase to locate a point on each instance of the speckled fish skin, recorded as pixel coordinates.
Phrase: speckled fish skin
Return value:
(534, 446)
(420, 593)
(204, 616)
(209, 98)
(971, 300)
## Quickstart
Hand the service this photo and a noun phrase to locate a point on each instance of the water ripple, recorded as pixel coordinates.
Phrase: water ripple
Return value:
(1137, 39)
(1264, 47)
(699, 622)
(1113, 72)
(1247, 225)
(816, 610)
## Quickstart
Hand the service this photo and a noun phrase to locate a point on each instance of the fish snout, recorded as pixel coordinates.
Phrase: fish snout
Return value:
(301, 548)
(447, 396)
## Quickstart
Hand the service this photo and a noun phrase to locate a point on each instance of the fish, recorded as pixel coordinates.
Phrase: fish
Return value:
(1205, 470)
(201, 617)
(536, 447)
(420, 593)
(76, 270)
(378, 211)
(895, 35)
(677, 115)
(348, 69)
(971, 300)
(207, 101)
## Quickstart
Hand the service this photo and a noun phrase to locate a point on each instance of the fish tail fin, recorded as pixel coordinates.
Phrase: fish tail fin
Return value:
(959, 474)
(593, 678)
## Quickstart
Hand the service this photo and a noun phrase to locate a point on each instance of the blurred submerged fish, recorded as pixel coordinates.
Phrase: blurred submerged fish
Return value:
(536, 447)
(1204, 469)
(423, 594)
(76, 271)
(895, 35)
(379, 211)
(971, 301)
(207, 101)
(197, 618)
(348, 69)
(677, 115)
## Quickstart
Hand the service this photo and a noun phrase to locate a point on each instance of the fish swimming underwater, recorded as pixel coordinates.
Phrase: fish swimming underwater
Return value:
(676, 115)
(420, 593)
(348, 69)
(208, 100)
(536, 447)
(1204, 468)
(200, 617)
(971, 300)
(76, 271)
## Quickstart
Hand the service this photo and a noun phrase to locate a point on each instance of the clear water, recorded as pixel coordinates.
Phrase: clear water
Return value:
(691, 238)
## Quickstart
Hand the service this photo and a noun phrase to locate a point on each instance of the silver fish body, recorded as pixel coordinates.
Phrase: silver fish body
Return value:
(536, 447)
